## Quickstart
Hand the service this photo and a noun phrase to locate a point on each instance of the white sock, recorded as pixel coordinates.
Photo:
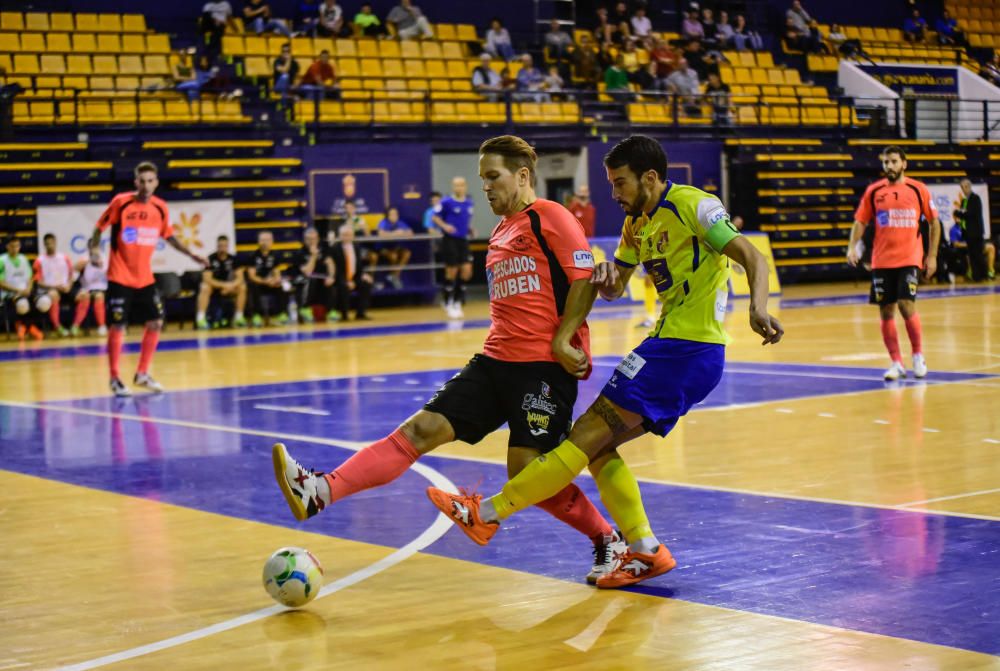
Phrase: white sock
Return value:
(646, 546)
(201, 315)
(238, 315)
(323, 490)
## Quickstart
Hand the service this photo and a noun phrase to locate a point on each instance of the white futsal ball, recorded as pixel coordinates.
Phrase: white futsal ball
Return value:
(293, 577)
(43, 303)
(22, 306)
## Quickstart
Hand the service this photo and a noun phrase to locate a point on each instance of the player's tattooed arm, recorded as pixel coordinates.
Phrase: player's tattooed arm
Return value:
(602, 408)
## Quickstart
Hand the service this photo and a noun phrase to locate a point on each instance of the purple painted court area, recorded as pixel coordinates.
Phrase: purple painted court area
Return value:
(924, 577)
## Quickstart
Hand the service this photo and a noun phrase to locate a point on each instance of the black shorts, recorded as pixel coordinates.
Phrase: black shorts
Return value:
(455, 251)
(138, 305)
(894, 284)
(536, 399)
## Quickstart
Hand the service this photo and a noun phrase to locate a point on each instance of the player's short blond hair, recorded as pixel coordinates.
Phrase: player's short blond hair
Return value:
(145, 166)
(516, 153)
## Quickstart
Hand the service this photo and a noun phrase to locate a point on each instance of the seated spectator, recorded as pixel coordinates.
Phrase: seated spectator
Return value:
(554, 82)
(286, 71)
(313, 277)
(708, 27)
(558, 43)
(585, 67)
(645, 78)
(744, 38)
(224, 277)
(498, 41)
(948, 31)
(486, 80)
(395, 255)
(718, 93)
(724, 31)
(268, 293)
(629, 60)
(806, 27)
(620, 14)
(360, 228)
(640, 23)
(794, 39)
(366, 24)
(406, 22)
(16, 292)
(54, 279)
(307, 17)
(691, 27)
(93, 276)
(604, 30)
(352, 275)
(320, 80)
(616, 82)
(507, 81)
(257, 17)
(530, 81)
(684, 82)
(331, 20)
(991, 69)
(184, 75)
(435, 200)
(216, 17)
(700, 61)
(914, 27)
(836, 37)
(666, 60)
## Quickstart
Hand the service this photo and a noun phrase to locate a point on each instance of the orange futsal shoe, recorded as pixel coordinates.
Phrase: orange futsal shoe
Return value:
(638, 566)
(463, 510)
(22, 330)
(35, 332)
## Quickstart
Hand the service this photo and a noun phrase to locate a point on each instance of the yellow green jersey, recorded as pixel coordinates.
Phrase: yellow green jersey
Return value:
(680, 246)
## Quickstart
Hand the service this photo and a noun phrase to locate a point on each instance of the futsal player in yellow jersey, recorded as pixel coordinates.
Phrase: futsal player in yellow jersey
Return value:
(684, 239)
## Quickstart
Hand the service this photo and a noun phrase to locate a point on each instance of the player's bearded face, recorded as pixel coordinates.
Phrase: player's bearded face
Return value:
(146, 183)
(627, 190)
(499, 184)
(893, 166)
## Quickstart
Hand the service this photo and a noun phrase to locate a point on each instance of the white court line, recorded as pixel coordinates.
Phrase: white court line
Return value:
(297, 409)
(357, 445)
(440, 526)
(951, 498)
(328, 392)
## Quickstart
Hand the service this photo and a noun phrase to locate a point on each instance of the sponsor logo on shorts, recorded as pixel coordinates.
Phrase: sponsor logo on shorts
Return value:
(631, 365)
(912, 282)
(582, 258)
(539, 403)
(538, 422)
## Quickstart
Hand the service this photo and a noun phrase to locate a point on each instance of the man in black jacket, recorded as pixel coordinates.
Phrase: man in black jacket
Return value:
(969, 216)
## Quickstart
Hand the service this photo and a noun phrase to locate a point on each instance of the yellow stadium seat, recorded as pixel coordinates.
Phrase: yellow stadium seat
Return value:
(348, 67)
(229, 110)
(792, 77)
(33, 42)
(440, 85)
(257, 66)
(9, 42)
(43, 112)
(12, 21)
(84, 43)
(569, 112)
(357, 111)
(367, 49)
(443, 112)
(430, 49)
(232, 45)
(53, 64)
(101, 84)
(445, 31)
(392, 67)
(371, 67)
(87, 23)
(48, 82)
(370, 84)
(459, 70)
(417, 84)
(881, 35)
(178, 111)
(414, 68)
(747, 59)
(133, 23)
(26, 64)
(305, 111)
(127, 82)
(388, 49)
(466, 112)
(36, 21)
(22, 113)
(409, 50)
(436, 69)
(157, 44)
(492, 112)
(134, 44)
(58, 43)
(130, 65)
(764, 59)
(109, 23)
(274, 44)
(255, 46)
(61, 22)
(108, 43)
(465, 32)
(304, 64)
(95, 111)
(452, 51)
(156, 64)
(105, 65)
(330, 111)
(151, 111)
(75, 82)
(303, 46)
(346, 48)
(124, 110)
(774, 76)
(746, 116)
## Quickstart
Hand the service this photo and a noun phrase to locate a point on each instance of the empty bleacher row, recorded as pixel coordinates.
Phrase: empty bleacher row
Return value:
(803, 193)
(979, 19)
(887, 45)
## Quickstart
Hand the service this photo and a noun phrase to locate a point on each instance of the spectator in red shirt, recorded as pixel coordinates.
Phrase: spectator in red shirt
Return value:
(583, 209)
(320, 80)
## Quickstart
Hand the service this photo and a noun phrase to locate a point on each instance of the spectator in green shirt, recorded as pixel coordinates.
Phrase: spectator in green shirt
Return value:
(616, 82)
(366, 23)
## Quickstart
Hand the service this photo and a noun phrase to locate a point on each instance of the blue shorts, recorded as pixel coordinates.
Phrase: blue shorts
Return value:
(663, 377)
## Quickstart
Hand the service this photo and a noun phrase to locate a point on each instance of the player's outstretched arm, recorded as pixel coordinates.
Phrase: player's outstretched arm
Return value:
(182, 248)
(579, 301)
(742, 252)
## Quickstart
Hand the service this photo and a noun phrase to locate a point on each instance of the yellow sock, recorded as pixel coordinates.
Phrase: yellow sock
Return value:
(542, 478)
(650, 300)
(620, 494)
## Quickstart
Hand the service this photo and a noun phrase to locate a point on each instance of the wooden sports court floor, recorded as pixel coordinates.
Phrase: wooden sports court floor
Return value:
(822, 519)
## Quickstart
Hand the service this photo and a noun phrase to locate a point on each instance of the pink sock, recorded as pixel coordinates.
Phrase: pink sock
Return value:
(81, 311)
(915, 332)
(891, 338)
(150, 338)
(115, 337)
(573, 507)
(381, 462)
(99, 311)
(54, 315)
